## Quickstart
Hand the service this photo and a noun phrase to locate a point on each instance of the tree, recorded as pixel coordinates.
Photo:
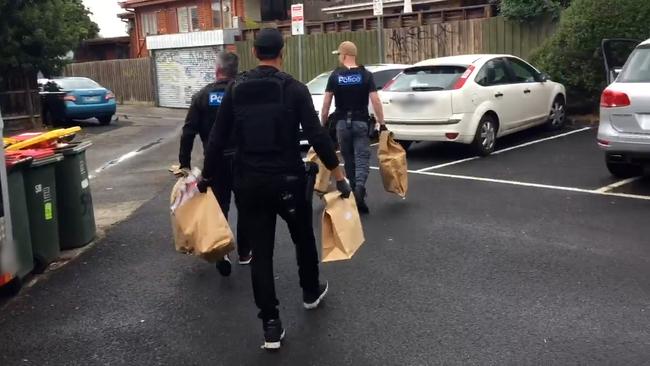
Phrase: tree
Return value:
(572, 55)
(39, 33)
(526, 10)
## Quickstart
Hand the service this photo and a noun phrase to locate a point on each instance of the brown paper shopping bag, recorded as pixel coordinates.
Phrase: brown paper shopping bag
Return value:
(322, 184)
(392, 164)
(342, 231)
(200, 227)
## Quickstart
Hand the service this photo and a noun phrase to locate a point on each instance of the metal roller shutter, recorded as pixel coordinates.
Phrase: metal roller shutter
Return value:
(183, 72)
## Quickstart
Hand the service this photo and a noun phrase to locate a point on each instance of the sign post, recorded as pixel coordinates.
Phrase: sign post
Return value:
(298, 29)
(378, 11)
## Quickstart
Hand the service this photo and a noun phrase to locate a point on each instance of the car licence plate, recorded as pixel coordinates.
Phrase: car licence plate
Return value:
(92, 99)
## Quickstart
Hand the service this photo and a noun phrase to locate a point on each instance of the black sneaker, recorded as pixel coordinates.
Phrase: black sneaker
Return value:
(312, 300)
(224, 266)
(360, 198)
(246, 259)
(273, 334)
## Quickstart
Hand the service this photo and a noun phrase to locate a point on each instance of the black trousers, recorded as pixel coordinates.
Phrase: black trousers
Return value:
(260, 199)
(223, 190)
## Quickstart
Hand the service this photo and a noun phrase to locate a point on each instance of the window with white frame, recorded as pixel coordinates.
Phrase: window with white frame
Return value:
(222, 14)
(149, 24)
(188, 19)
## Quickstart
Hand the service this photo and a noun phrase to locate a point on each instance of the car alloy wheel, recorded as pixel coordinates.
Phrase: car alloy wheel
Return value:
(488, 135)
(558, 114)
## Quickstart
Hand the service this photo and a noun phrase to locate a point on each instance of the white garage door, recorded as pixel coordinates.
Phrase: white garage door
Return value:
(182, 72)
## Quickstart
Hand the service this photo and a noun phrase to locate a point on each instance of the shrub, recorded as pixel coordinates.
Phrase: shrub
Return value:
(572, 55)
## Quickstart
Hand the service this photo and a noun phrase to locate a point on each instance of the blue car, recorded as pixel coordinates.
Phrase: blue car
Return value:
(66, 99)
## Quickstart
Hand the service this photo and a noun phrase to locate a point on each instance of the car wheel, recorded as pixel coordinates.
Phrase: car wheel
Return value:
(405, 144)
(557, 116)
(624, 170)
(105, 120)
(486, 136)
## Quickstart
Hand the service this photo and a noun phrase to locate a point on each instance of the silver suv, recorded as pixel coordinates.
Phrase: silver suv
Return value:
(624, 131)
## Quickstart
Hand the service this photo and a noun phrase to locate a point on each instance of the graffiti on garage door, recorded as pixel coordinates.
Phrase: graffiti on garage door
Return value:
(181, 73)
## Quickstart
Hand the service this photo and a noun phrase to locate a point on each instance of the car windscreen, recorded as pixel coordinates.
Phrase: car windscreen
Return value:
(637, 69)
(72, 84)
(317, 86)
(427, 78)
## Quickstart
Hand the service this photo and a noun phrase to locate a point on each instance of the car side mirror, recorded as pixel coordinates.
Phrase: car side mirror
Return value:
(543, 77)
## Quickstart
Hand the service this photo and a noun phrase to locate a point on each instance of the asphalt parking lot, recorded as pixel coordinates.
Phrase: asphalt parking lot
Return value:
(534, 255)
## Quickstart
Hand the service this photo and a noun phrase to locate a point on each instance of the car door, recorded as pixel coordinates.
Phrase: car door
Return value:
(616, 51)
(530, 93)
(495, 89)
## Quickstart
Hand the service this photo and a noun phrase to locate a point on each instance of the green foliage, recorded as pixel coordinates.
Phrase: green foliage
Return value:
(572, 55)
(38, 33)
(526, 10)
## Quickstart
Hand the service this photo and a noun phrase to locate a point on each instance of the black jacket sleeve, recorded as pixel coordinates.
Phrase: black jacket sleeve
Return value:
(219, 136)
(190, 130)
(315, 133)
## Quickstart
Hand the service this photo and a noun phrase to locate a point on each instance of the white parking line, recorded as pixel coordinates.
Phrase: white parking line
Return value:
(505, 150)
(617, 184)
(526, 184)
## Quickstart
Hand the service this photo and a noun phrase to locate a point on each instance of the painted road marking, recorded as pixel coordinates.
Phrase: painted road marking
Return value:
(527, 184)
(618, 184)
(505, 150)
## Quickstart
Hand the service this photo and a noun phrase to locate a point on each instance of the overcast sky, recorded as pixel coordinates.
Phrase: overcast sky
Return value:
(105, 15)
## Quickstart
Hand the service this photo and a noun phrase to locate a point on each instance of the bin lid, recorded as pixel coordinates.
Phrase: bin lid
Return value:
(50, 159)
(15, 160)
(74, 148)
(37, 153)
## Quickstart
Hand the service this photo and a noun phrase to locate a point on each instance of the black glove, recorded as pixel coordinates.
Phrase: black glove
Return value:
(344, 187)
(383, 127)
(203, 185)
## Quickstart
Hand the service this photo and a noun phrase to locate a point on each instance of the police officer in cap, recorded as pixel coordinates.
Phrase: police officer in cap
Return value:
(352, 85)
(199, 121)
(265, 108)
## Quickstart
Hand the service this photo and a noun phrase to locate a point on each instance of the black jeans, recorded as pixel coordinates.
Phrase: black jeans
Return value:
(223, 189)
(260, 199)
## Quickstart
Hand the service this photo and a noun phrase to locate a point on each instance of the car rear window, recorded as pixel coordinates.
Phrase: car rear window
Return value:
(427, 78)
(71, 84)
(318, 85)
(637, 69)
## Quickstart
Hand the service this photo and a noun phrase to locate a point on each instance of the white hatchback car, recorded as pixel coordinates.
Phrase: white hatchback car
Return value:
(471, 99)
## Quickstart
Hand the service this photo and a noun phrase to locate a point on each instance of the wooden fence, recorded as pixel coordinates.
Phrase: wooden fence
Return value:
(409, 45)
(19, 100)
(130, 80)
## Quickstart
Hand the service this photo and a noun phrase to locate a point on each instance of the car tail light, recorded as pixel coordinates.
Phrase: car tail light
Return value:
(451, 135)
(463, 78)
(614, 99)
(70, 98)
(110, 95)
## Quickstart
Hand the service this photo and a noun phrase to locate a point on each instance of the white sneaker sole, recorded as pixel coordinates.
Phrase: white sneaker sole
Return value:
(274, 345)
(315, 304)
(243, 263)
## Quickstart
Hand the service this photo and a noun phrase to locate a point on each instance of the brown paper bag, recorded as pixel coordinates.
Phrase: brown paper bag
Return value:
(342, 231)
(392, 164)
(200, 227)
(324, 183)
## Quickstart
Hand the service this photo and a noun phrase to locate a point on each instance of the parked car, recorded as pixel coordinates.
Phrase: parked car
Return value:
(471, 99)
(624, 131)
(382, 74)
(65, 99)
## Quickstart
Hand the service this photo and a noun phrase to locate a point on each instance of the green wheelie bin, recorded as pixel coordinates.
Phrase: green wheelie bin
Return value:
(16, 166)
(40, 190)
(76, 213)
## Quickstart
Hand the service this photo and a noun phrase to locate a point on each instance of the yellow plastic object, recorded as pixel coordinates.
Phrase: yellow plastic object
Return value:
(47, 136)
(8, 141)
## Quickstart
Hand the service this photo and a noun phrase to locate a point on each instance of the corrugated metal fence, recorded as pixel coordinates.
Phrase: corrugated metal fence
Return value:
(131, 80)
(317, 52)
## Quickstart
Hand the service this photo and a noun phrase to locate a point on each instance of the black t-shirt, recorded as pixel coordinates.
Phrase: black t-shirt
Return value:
(351, 88)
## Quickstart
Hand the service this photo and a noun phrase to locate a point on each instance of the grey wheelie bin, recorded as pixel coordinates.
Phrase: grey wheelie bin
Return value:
(76, 213)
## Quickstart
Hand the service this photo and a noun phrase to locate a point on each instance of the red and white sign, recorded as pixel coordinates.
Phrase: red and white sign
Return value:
(297, 19)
